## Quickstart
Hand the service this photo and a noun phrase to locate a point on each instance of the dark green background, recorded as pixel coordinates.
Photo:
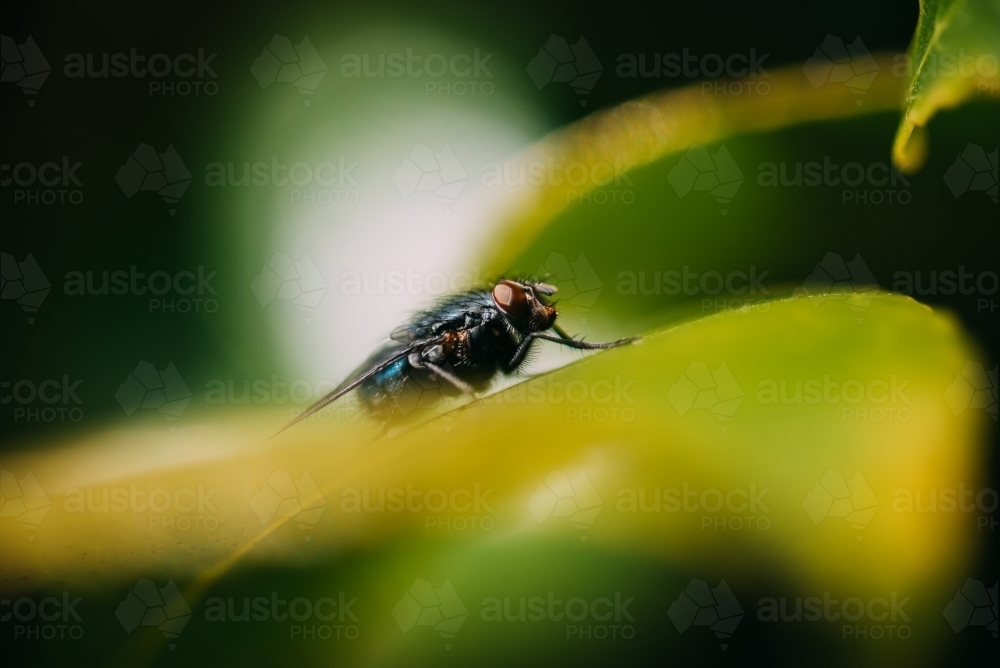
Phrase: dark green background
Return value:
(784, 231)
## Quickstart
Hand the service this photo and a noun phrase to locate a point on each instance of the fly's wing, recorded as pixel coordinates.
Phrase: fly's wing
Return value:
(465, 310)
(427, 324)
(404, 334)
(379, 362)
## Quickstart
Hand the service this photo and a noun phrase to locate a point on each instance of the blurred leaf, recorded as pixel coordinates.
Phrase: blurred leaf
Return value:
(953, 57)
(686, 406)
(645, 130)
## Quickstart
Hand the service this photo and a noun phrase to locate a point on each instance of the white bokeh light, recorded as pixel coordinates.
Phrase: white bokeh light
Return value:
(415, 216)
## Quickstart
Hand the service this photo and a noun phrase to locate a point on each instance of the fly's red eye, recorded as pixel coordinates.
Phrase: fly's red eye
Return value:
(512, 299)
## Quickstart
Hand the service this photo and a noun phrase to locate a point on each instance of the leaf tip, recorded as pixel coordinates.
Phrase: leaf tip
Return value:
(909, 150)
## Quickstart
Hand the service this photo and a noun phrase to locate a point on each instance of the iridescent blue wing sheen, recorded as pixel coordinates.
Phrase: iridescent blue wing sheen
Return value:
(385, 359)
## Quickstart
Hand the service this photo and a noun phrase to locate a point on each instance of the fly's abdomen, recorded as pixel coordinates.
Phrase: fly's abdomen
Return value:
(400, 389)
(379, 393)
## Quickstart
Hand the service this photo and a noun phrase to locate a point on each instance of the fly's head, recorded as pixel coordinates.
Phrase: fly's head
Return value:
(525, 305)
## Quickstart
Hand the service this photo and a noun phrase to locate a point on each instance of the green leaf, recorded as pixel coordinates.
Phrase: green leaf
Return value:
(643, 131)
(865, 385)
(953, 57)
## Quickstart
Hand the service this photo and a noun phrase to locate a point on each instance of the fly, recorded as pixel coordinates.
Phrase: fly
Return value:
(464, 341)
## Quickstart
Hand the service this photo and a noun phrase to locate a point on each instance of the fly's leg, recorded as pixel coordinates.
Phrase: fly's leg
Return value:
(564, 340)
(382, 434)
(431, 359)
(448, 376)
(518, 356)
(567, 340)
